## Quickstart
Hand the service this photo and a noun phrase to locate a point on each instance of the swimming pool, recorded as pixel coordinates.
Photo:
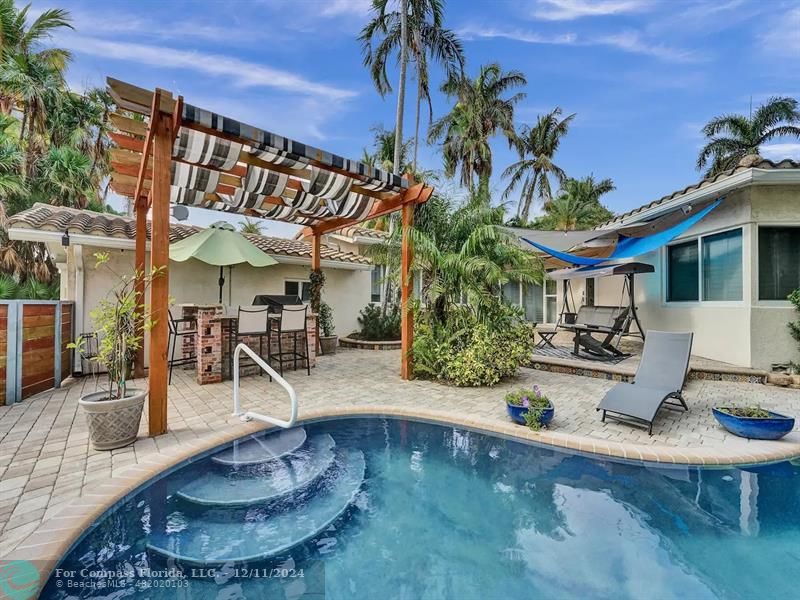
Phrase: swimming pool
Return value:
(384, 508)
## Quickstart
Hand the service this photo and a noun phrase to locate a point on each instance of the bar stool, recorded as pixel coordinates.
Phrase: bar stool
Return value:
(292, 321)
(252, 321)
(175, 334)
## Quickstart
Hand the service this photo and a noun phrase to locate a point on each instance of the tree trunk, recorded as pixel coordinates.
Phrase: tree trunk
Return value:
(416, 123)
(401, 89)
(398, 125)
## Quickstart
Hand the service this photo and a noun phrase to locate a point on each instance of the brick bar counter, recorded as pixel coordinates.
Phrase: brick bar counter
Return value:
(213, 340)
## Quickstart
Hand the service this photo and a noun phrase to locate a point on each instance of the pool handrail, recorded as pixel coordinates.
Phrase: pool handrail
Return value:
(247, 416)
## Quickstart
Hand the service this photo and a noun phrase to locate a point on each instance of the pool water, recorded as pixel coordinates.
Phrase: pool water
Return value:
(384, 508)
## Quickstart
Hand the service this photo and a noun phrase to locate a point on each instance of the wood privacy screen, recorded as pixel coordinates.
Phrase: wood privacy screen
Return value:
(33, 347)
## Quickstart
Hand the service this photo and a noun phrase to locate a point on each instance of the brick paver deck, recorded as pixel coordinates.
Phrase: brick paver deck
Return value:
(46, 462)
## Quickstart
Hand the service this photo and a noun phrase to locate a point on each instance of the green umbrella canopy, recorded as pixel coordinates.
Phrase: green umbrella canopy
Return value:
(219, 245)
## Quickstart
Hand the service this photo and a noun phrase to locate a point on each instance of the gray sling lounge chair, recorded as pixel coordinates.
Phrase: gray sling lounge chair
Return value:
(659, 379)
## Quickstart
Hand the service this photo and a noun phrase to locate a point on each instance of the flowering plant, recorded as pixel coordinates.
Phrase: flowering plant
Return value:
(534, 400)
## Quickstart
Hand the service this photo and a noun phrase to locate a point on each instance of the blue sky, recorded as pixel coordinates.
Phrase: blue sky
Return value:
(642, 75)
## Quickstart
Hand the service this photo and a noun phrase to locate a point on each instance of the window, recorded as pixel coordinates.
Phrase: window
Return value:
(551, 301)
(778, 263)
(682, 273)
(590, 292)
(722, 266)
(376, 283)
(298, 288)
(708, 269)
(527, 296)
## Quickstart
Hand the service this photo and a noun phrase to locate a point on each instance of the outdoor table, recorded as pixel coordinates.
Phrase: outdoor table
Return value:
(579, 329)
(546, 337)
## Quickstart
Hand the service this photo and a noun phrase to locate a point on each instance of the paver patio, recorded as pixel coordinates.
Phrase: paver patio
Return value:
(46, 460)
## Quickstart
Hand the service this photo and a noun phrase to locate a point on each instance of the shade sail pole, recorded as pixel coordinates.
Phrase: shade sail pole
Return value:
(406, 287)
(162, 125)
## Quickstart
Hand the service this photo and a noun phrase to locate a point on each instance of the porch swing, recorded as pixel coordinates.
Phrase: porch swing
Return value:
(612, 322)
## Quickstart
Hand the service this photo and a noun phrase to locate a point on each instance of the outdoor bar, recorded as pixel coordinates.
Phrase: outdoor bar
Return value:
(186, 155)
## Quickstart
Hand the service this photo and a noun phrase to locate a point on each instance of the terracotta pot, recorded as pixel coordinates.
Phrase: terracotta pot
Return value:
(113, 423)
(328, 344)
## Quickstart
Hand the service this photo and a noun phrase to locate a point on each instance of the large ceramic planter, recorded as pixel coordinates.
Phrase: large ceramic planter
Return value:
(773, 427)
(517, 413)
(328, 344)
(113, 423)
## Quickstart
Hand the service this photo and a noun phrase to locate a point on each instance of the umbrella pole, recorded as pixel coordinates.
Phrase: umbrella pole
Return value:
(221, 282)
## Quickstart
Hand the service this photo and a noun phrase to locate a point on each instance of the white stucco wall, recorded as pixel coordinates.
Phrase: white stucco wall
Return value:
(346, 291)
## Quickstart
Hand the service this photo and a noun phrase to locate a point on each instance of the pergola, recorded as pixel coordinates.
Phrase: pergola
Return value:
(169, 151)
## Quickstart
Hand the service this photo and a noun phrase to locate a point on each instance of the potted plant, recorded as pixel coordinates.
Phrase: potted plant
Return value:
(530, 407)
(327, 340)
(113, 414)
(753, 422)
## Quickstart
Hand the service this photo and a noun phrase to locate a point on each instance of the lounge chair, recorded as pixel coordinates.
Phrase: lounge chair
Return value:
(659, 379)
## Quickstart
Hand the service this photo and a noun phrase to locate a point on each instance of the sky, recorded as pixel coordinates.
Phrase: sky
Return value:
(642, 76)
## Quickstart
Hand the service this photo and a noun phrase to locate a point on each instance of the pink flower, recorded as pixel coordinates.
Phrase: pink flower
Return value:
(525, 402)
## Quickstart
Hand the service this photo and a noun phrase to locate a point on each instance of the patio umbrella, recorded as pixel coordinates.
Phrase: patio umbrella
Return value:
(219, 245)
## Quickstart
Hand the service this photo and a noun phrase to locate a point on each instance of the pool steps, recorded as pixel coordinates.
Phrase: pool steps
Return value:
(288, 512)
(263, 483)
(260, 449)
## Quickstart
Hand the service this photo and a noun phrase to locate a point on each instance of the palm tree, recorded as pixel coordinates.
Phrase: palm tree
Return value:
(577, 205)
(251, 226)
(536, 147)
(481, 111)
(22, 43)
(415, 30)
(461, 251)
(732, 137)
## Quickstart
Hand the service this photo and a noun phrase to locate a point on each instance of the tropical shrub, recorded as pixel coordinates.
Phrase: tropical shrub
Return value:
(376, 326)
(794, 326)
(468, 352)
(326, 319)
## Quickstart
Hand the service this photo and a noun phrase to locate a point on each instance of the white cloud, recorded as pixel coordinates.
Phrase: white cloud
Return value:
(782, 36)
(335, 8)
(568, 10)
(240, 73)
(627, 41)
(780, 151)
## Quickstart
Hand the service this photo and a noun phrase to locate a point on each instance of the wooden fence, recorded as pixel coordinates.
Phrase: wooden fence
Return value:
(33, 347)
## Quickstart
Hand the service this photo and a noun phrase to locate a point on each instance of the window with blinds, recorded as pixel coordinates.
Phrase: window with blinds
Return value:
(778, 262)
(682, 273)
(722, 266)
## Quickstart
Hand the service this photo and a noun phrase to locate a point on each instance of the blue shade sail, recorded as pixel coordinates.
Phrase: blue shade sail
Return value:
(629, 247)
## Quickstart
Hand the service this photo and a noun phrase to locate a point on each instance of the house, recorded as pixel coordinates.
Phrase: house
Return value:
(73, 236)
(727, 278)
(358, 240)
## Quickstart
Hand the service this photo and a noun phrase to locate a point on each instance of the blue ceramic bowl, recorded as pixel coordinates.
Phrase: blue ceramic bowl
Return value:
(772, 428)
(517, 413)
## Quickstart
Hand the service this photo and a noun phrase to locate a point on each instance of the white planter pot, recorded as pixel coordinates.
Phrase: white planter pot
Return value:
(113, 423)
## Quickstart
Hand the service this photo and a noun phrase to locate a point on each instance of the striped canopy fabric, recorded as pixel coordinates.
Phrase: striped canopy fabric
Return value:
(284, 185)
(222, 164)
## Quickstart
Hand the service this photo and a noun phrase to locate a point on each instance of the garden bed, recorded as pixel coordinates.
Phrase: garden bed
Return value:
(350, 342)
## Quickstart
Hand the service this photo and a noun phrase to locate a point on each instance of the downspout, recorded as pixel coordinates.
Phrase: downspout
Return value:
(78, 257)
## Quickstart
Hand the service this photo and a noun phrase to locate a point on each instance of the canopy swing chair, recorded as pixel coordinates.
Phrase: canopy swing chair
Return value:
(610, 253)
(611, 322)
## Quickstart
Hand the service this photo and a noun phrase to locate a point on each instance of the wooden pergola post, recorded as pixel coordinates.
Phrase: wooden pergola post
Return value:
(316, 266)
(406, 288)
(163, 135)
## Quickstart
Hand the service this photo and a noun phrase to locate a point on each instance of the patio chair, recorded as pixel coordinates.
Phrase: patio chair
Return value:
(252, 321)
(176, 333)
(292, 321)
(659, 379)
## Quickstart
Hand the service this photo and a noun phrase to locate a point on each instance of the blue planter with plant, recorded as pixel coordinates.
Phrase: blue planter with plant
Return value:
(530, 407)
(754, 423)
